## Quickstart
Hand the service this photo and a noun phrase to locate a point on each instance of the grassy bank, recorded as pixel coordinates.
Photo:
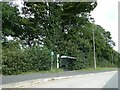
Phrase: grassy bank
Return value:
(99, 69)
(54, 70)
(49, 71)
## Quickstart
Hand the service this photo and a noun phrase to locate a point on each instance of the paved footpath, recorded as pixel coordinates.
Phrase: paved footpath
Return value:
(20, 78)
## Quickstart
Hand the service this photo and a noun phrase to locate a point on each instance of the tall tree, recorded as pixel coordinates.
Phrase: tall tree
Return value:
(10, 20)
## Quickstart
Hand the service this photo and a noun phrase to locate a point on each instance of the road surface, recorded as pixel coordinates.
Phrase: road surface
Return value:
(20, 78)
(94, 80)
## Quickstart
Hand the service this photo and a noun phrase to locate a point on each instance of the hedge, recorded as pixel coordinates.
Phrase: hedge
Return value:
(18, 61)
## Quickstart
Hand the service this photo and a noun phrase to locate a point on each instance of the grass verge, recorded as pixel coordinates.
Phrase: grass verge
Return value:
(55, 70)
(99, 69)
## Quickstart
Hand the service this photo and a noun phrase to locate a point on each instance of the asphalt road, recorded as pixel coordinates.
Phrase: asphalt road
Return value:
(94, 80)
(19, 78)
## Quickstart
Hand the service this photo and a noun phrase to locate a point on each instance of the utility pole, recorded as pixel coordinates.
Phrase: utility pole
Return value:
(112, 53)
(94, 49)
(92, 19)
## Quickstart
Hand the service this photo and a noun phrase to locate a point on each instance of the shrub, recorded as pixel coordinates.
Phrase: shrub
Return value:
(30, 59)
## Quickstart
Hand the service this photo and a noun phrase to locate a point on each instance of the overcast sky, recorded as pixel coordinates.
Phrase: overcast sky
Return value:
(106, 15)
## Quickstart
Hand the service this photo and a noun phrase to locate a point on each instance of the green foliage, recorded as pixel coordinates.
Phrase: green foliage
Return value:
(10, 20)
(62, 27)
(31, 59)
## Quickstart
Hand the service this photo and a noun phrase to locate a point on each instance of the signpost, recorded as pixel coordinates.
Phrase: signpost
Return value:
(57, 60)
(52, 53)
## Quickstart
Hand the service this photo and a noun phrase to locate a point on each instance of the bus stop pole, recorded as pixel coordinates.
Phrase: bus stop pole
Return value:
(52, 53)
(57, 60)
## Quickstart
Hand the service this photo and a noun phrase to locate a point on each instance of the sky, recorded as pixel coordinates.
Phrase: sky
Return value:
(106, 15)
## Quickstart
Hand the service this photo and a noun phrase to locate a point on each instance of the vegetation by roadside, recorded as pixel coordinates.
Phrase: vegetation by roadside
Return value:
(48, 71)
(59, 27)
(54, 70)
(42, 72)
(99, 69)
(87, 69)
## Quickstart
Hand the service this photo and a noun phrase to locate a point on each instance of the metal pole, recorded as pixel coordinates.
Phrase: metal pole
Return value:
(51, 61)
(112, 57)
(94, 50)
(57, 61)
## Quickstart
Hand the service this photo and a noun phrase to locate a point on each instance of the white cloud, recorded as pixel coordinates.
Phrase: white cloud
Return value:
(106, 15)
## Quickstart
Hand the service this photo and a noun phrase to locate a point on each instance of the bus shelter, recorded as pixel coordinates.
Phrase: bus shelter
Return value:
(67, 62)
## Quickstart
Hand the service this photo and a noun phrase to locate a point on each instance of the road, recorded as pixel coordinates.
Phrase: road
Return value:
(94, 80)
(20, 78)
